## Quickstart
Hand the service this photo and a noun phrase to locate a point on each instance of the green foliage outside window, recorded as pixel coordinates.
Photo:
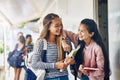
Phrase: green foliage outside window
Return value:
(1, 46)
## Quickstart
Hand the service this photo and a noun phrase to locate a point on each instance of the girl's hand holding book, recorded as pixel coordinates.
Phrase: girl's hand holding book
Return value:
(60, 65)
(69, 60)
(91, 69)
(81, 69)
(70, 56)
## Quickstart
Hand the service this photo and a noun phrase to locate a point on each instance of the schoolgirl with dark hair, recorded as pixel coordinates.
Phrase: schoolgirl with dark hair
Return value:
(92, 53)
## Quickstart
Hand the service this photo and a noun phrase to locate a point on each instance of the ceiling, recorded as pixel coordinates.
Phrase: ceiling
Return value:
(19, 11)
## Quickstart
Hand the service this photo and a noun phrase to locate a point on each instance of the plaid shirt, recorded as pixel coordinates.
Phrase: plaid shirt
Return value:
(29, 48)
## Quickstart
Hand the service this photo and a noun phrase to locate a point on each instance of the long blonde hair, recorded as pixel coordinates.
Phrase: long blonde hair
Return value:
(45, 33)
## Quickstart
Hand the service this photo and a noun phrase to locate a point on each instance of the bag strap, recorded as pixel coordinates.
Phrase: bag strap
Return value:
(44, 51)
(16, 46)
(44, 44)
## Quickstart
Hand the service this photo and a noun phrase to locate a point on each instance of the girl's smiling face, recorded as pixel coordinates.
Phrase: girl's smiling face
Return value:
(84, 33)
(56, 26)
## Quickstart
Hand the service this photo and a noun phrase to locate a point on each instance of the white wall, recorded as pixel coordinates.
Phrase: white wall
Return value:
(73, 11)
(114, 37)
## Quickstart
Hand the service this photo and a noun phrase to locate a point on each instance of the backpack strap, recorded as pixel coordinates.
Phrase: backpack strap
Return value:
(28, 58)
(44, 51)
(16, 46)
(44, 44)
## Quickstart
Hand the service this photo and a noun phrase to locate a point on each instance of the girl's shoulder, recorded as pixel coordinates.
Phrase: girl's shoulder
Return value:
(40, 40)
(97, 49)
(96, 46)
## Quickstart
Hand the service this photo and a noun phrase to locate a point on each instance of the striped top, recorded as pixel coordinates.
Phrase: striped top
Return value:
(51, 59)
(29, 47)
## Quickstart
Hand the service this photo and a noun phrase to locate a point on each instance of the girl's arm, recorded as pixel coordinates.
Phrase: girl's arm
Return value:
(73, 37)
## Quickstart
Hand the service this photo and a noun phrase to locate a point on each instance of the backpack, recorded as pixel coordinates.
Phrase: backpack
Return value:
(32, 74)
(15, 58)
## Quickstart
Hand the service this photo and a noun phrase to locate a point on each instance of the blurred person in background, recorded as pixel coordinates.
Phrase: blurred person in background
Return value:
(28, 49)
(19, 34)
(29, 44)
(20, 47)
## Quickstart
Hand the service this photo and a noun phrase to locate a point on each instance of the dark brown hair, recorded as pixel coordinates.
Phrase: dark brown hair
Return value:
(92, 27)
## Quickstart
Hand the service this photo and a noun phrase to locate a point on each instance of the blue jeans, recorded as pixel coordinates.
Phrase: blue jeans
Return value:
(59, 78)
(25, 68)
(84, 77)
